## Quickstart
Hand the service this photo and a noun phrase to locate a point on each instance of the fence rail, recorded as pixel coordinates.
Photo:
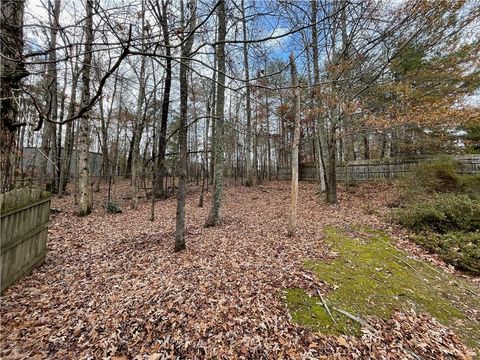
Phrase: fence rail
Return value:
(24, 217)
(365, 170)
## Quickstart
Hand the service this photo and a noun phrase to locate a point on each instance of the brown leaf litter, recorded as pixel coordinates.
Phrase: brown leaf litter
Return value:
(112, 287)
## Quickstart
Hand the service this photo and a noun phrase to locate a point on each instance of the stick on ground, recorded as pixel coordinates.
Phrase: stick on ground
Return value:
(355, 318)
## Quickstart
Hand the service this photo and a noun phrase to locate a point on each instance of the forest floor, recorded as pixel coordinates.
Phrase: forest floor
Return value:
(111, 286)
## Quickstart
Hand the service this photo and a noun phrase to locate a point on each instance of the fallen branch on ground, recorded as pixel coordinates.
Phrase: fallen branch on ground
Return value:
(355, 318)
(327, 309)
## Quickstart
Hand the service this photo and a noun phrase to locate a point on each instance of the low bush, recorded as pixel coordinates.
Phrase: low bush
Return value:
(470, 185)
(443, 208)
(419, 216)
(440, 176)
(442, 213)
(461, 212)
(113, 208)
(457, 248)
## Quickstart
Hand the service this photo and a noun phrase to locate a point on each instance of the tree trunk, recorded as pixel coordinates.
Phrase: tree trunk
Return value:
(250, 181)
(205, 157)
(212, 109)
(49, 141)
(115, 166)
(105, 127)
(292, 224)
(320, 131)
(85, 189)
(321, 159)
(336, 115)
(214, 216)
(138, 130)
(12, 71)
(384, 145)
(61, 117)
(69, 139)
(267, 120)
(128, 170)
(159, 187)
(183, 131)
(138, 125)
(332, 174)
(366, 147)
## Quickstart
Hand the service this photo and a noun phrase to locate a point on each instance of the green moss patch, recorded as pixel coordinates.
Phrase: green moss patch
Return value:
(371, 277)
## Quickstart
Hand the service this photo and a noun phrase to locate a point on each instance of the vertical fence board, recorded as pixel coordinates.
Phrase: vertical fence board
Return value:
(24, 228)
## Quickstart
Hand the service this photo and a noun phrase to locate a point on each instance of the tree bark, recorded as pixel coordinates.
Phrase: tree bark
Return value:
(335, 123)
(12, 71)
(115, 166)
(205, 159)
(250, 181)
(332, 174)
(182, 136)
(105, 127)
(366, 147)
(159, 187)
(85, 188)
(267, 121)
(292, 224)
(49, 141)
(69, 137)
(138, 124)
(320, 133)
(214, 216)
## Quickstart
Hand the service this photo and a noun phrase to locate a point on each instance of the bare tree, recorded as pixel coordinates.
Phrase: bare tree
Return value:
(159, 176)
(248, 107)
(320, 130)
(69, 132)
(12, 69)
(84, 185)
(138, 124)
(292, 224)
(49, 140)
(182, 163)
(214, 216)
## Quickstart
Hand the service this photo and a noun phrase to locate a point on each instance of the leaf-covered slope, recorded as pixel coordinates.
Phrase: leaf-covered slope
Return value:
(112, 285)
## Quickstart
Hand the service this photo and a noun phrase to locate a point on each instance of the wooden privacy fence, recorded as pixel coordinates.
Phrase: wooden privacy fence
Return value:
(364, 170)
(24, 225)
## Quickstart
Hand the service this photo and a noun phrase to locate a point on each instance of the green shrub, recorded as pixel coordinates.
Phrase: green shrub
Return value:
(457, 248)
(442, 213)
(419, 216)
(460, 211)
(443, 208)
(470, 185)
(437, 176)
(113, 208)
(440, 175)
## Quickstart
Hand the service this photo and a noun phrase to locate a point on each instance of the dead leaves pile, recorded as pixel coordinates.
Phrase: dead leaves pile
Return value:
(112, 287)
